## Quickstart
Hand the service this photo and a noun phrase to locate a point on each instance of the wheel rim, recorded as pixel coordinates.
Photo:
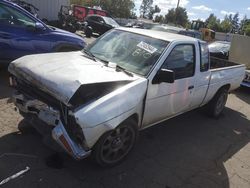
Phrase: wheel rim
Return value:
(220, 103)
(117, 144)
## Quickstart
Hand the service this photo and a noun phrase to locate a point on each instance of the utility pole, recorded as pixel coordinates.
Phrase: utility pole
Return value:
(178, 4)
(176, 11)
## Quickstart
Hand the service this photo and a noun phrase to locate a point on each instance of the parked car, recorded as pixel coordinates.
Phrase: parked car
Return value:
(21, 34)
(95, 101)
(98, 24)
(191, 33)
(219, 49)
(246, 81)
(167, 28)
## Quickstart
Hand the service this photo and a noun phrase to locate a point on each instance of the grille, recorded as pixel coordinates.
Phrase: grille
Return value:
(36, 93)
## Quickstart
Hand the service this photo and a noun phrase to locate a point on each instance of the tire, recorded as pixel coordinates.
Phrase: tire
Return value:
(216, 106)
(88, 32)
(72, 29)
(115, 145)
(25, 126)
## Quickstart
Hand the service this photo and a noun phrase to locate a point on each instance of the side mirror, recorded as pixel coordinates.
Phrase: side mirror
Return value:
(39, 27)
(164, 75)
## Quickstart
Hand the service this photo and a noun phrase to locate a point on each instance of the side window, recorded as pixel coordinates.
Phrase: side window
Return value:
(100, 20)
(182, 61)
(94, 18)
(11, 16)
(204, 57)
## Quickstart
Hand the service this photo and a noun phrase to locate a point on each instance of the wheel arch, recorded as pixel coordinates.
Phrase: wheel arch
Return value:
(226, 86)
(134, 117)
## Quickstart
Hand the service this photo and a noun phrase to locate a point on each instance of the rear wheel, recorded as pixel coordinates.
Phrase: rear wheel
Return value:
(216, 106)
(88, 32)
(115, 145)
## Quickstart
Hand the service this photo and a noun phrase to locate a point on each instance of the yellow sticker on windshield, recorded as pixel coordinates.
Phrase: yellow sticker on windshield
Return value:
(147, 47)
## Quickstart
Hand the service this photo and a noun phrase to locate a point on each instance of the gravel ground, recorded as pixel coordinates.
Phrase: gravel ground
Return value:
(191, 150)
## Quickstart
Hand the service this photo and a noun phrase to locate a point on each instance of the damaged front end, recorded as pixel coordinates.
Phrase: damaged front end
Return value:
(53, 87)
(64, 129)
(34, 103)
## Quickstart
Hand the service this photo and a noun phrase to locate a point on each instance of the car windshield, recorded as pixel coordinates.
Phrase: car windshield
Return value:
(110, 21)
(133, 52)
(219, 47)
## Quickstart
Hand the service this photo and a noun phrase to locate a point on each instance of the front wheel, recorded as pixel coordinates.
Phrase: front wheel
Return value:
(216, 106)
(115, 145)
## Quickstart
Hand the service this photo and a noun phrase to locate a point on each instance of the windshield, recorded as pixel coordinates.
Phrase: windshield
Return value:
(110, 21)
(133, 52)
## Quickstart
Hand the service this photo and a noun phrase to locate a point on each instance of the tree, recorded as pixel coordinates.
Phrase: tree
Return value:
(119, 8)
(212, 22)
(177, 16)
(87, 3)
(235, 23)
(152, 11)
(243, 24)
(226, 25)
(170, 16)
(247, 30)
(159, 18)
(145, 7)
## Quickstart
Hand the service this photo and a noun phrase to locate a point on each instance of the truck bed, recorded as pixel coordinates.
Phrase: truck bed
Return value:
(223, 73)
(216, 63)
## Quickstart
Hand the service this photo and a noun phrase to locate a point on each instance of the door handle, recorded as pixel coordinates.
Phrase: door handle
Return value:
(190, 87)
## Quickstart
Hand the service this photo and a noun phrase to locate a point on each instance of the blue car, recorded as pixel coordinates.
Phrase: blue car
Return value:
(23, 34)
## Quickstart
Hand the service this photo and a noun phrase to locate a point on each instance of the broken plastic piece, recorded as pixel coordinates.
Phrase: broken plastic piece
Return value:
(15, 175)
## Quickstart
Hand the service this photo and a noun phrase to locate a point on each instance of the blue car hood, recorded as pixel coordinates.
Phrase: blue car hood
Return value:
(63, 32)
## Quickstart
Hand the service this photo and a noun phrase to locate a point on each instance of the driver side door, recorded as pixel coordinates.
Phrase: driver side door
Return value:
(18, 36)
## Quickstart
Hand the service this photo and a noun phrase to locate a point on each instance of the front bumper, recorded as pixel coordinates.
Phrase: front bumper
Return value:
(51, 117)
(245, 84)
(61, 136)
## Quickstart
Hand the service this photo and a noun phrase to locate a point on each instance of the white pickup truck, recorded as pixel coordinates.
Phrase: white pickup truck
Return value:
(96, 100)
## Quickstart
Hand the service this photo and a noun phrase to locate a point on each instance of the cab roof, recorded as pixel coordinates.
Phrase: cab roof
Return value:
(170, 37)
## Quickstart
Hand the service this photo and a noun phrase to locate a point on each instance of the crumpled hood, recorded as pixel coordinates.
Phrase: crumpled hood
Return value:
(61, 74)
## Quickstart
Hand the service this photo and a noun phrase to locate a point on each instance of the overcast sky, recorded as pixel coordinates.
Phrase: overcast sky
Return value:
(202, 8)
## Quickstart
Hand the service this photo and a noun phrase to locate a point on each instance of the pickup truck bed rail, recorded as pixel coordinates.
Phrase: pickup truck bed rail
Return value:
(216, 63)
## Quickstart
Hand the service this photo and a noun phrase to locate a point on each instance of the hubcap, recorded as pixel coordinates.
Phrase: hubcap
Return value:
(117, 144)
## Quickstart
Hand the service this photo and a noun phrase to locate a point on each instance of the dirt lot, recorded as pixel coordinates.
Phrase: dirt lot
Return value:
(188, 151)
